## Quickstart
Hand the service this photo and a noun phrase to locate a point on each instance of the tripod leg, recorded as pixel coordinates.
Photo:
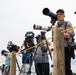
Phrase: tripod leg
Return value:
(21, 69)
(18, 65)
(30, 64)
(24, 64)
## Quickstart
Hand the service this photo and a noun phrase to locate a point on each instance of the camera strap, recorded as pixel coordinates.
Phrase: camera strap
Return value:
(66, 31)
(65, 25)
(72, 50)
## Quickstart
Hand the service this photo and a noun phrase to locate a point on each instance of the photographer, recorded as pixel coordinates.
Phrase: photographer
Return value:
(41, 57)
(67, 38)
(7, 62)
(26, 60)
(27, 54)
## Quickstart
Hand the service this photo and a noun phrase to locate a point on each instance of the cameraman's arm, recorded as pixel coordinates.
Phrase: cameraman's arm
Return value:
(19, 51)
(50, 45)
(66, 35)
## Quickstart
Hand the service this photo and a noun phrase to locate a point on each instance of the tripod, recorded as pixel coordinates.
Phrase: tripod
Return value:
(32, 55)
(18, 65)
(44, 38)
(42, 61)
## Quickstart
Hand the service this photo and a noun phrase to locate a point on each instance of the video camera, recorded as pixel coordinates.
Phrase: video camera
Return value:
(12, 47)
(41, 37)
(29, 38)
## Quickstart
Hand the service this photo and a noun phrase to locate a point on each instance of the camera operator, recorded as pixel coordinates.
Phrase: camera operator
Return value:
(27, 54)
(25, 60)
(67, 38)
(7, 62)
(41, 57)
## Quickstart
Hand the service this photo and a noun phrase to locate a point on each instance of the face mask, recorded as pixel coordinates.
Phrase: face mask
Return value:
(5, 54)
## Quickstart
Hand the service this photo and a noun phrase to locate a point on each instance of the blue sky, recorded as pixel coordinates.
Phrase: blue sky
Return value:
(18, 16)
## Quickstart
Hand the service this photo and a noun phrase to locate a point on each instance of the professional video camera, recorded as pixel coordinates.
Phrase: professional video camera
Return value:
(12, 47)
(29, 38)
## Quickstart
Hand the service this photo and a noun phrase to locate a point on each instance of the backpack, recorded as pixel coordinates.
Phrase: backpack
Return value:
(71, 45)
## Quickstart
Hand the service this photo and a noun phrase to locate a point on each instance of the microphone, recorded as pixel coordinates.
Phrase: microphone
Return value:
(38, 27)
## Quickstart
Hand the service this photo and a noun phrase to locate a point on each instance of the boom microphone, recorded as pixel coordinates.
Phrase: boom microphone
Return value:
(47, 12)
(38, 27)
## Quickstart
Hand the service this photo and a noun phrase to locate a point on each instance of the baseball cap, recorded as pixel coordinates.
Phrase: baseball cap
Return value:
(60, 10)
(3, 51)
